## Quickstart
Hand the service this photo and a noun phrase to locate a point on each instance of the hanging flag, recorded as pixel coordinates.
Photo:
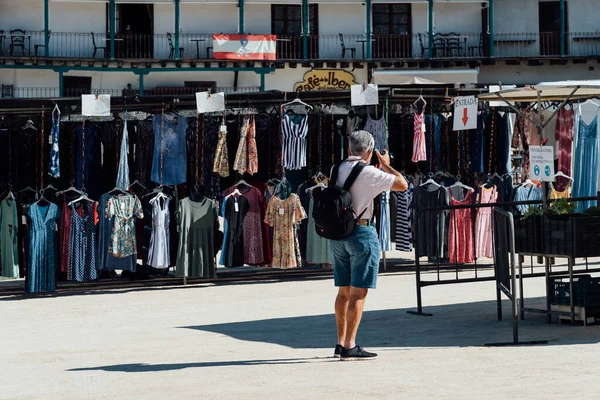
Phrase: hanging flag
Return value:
(244, 47)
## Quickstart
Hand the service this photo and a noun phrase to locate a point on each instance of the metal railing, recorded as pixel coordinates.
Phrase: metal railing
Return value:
(446, 45)
(53, 92)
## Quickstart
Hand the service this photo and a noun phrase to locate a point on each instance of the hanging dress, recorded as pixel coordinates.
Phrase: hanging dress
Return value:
(83, 243)
(294, 129)
(524, 193)
(460, 234)
(419, 149)
(318, 250)
(158, 253)
(378, 129)
(384, 223)
(585, 162)
(234, 211)
(123, 172)
(565, 127)
(124, 209)
(403, 226)
(196, 254)
(483, 224)
(252, 150)
(556, 194)
(54, 170)
(9, 251)
(42, 262)
(241, 156)
(284, 215)
(221, 163)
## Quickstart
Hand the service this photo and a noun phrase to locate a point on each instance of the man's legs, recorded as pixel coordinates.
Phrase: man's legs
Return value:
(341, 310)
(355, 307)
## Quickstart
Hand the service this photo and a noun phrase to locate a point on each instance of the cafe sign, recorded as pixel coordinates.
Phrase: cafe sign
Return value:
(325, 79)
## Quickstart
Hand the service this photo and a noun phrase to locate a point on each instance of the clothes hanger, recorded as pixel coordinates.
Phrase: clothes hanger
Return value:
(560, 173)
(136, 182)
(461, 185)
(27, 189)
(297, 101)
(29, 125)
(439, 173)
(83, 197)
(71, 189)
(236, 191)
(242, 182)
(528, 182)
(431, 181)
(320, 184)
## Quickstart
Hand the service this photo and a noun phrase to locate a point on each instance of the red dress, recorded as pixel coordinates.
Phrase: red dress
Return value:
(460, 234)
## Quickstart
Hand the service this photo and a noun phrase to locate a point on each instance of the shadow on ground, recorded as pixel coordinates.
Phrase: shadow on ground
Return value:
(454, 325)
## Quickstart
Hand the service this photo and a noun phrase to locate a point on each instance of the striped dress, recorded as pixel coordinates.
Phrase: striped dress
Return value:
(403, 226)
(295, 130)
(565, 127)
(419, 150)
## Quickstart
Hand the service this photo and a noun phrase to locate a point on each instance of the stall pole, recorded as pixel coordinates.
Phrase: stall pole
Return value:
(491, 27)
(430, 30)
(46, 26)
(241, 16)
(61, 86)
(111, 8)
(141, 84)
(562, 28)
(305, 27)
(177, 55)
(369, 28)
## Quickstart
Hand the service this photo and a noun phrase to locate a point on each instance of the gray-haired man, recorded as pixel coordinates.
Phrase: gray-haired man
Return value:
(356, 258)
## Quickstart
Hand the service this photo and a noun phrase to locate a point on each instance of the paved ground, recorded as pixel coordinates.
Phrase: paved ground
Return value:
(274, 340)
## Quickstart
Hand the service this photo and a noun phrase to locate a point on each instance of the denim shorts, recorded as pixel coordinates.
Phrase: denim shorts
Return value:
(356, 258)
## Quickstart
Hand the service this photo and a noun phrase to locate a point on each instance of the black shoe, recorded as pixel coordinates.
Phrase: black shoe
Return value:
(338, 351)
(356, 353)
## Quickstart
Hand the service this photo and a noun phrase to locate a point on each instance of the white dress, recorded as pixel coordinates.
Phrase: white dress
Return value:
(158, 254)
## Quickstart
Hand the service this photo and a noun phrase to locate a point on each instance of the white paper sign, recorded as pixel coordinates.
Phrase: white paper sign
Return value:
(95, 105)
(542, 163)
(207, 102)
(362, 95)
(465, 113)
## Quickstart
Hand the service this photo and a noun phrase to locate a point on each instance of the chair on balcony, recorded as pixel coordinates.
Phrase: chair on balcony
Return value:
(172, 47)
(96, 48)
(36, 47)
(17, 39)
(423, 48)
(344, 48)
(8, 91)
(477, 50)
(455, 45)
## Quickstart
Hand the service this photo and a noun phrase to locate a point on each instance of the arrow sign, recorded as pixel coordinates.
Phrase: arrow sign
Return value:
(465, 113)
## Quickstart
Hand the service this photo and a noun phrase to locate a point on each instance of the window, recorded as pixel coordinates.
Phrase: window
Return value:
(74, 86)
(286, 22)
(392, 19)
(549, 16)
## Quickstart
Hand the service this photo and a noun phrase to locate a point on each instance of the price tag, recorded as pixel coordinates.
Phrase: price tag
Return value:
(49, 139)
(281, 211)
(23, 220)
(223, 128)
(236, 206)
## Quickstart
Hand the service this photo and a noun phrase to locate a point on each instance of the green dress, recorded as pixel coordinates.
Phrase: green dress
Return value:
(196, 254)
(8, 239)
(317, 247)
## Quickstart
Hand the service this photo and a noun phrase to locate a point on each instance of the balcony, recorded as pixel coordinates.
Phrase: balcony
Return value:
(53, 92)
(450, 45)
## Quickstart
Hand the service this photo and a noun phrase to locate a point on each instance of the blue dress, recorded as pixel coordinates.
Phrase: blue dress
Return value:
(585, 182)
(82, 244)
(43, 260)
(170, 146)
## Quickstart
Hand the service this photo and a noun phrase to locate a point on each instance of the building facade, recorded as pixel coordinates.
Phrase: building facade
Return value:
(52, 48)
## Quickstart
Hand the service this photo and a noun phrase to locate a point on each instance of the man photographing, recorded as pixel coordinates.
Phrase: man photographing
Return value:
(356, 257)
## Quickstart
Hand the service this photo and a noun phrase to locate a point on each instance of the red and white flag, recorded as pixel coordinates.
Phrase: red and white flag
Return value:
(244, 47)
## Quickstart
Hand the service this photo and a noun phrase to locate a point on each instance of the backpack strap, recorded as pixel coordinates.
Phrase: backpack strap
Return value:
(334, 174)
(356, 170)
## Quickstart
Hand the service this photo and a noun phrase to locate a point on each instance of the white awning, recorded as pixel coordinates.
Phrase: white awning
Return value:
(389, 77)
(547, 91)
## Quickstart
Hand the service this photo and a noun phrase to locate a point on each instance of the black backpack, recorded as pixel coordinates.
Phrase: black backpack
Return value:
(332, 210)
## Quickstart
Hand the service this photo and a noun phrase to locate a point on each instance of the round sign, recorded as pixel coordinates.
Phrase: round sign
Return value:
(536, 170)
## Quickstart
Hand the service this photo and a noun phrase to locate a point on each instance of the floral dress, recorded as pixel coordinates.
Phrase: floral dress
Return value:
(124, 209)
(252, 150)
(221, 163)
(241, 156)
(284, 215)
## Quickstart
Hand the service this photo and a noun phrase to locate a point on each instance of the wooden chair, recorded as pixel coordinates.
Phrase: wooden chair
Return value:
(477, 50)
(17, 39)
(344, 48)
(37, 46)
(423, 48)
(172, 47)
(208, 50)
(96, 48)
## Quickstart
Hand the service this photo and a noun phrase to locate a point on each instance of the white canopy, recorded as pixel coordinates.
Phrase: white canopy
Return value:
(548, 91)
(424, 76)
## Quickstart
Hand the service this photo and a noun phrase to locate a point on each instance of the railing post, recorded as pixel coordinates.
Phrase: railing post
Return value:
(141, 84)
(305, 26)
(430, 30)
(368, 30)
(176, 29)
(111, 11)
(262, 82)
(61, 86)
(46, 27)
(562, 28)
(491, 26)
(241, 27)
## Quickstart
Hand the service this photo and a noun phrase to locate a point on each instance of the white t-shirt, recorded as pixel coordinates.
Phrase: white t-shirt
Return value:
(369, 184)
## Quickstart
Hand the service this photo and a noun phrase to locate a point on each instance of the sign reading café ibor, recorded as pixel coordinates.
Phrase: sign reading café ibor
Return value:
(325, 79)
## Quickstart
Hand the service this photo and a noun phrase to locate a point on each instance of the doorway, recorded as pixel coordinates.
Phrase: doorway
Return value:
(134, 30)
(286, 23)
(550, 28)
